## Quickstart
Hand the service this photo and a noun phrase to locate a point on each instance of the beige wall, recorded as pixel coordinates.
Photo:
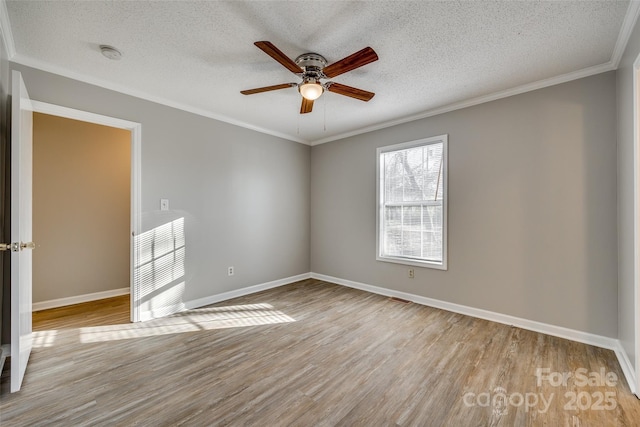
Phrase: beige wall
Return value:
(81, 207)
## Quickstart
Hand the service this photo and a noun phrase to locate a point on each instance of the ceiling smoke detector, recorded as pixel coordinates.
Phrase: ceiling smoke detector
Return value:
(110, 52)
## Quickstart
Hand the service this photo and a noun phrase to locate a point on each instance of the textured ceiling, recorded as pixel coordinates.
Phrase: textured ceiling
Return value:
(199, 55)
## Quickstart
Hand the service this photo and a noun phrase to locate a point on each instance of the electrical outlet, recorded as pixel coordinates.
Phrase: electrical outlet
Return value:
(164, 204)
(412, 273)
(230, 271)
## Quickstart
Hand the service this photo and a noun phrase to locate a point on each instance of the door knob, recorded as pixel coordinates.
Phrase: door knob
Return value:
(16, 247)
(13, 247)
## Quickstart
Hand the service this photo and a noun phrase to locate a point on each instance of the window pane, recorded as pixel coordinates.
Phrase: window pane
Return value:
(411, 230)
(393, 177)
(413, 202)
(432, 233)
(433, 162)
(393, 231)
(413, 181)
(413, 174)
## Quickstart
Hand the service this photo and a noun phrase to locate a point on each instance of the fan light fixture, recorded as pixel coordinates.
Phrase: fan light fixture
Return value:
(311, 90)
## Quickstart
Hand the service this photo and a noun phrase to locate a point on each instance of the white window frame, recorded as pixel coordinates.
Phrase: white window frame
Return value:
(380, 203)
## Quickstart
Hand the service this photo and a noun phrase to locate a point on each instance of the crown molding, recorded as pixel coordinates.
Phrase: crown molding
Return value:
(630, 18)
(64, 72)
(540, 84)
(43, 66)
(5, 29)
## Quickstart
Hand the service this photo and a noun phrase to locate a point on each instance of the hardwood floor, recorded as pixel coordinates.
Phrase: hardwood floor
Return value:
(109, 311)
(306, 354)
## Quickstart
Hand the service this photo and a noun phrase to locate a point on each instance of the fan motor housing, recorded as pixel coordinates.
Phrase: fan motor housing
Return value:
(311, 62)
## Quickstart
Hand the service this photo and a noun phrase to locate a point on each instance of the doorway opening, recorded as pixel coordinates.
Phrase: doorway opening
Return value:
(81, 211)
(126, 245)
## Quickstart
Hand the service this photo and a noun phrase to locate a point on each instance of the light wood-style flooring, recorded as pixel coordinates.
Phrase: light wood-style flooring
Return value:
(306, 354)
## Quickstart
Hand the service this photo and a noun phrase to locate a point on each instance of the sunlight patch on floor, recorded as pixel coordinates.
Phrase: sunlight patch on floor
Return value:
(42, 339)
(210, 318)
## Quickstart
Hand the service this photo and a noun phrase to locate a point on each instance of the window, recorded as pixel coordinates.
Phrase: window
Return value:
(412, 203)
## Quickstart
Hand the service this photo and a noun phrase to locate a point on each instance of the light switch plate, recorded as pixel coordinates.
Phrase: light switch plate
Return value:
(164, 204)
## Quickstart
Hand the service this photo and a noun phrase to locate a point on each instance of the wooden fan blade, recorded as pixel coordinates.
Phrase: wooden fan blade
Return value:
(267, 88)
(351, 62)
(275, 53)
(307, 106)
(352, 92)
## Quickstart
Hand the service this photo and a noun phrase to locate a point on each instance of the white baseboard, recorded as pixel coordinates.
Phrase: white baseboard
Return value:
(61, 302)
(531, 325)
(201, 302)
(212, 299)
(627, 367)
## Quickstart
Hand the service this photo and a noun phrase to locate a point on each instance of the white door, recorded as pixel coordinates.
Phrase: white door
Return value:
(21, 176)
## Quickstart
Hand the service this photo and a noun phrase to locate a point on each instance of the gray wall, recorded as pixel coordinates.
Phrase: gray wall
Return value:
(532, 207)
(244, 196)
(82, 202)
(626, 296)
(532, 200)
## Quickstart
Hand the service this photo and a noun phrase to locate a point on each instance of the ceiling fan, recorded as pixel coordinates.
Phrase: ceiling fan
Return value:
(312, 68)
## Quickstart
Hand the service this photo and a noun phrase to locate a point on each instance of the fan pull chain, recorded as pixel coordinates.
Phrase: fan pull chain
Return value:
(325, 113)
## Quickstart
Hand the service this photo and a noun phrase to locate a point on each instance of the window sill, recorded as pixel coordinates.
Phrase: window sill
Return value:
(413, 262)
